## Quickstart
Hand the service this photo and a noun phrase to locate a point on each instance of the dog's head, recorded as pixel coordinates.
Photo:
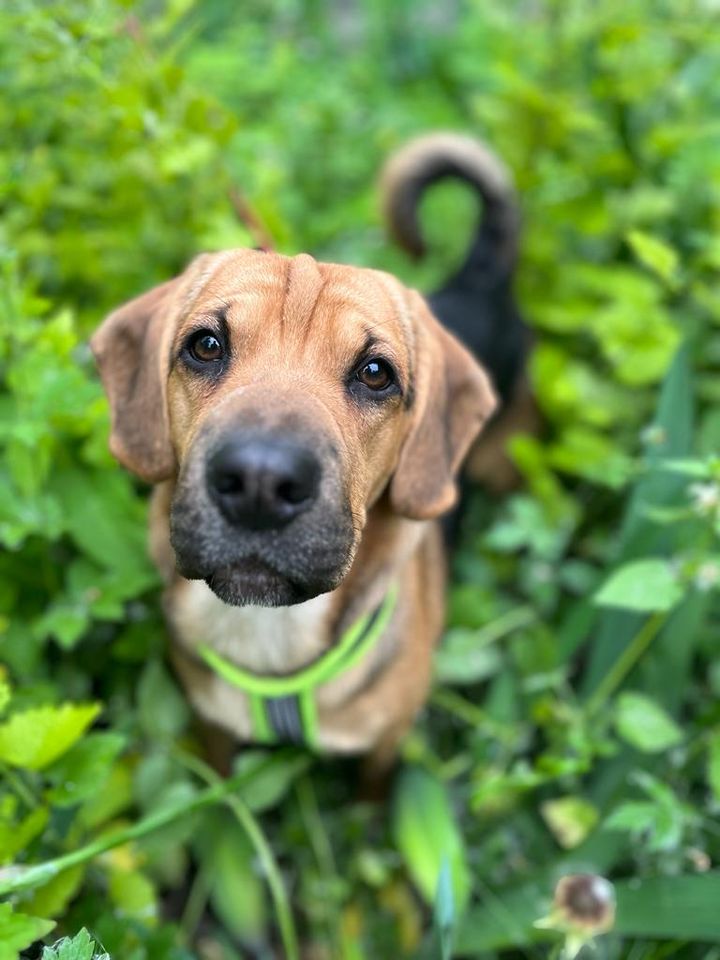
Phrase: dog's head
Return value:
(286, 396)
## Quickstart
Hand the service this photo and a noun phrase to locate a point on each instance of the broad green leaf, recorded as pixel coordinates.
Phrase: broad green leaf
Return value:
(570, 819)
(113, 795)
(15, 836)
(237, 892)
(426, 834)
(34, 738)
(133, 895)
(644, 724)
(645, 586)
(270, 775)
(672, 908)
(51, 899)
(633, 816)
(18, 931)
(655, 254)
(162, 710)
(81, 771)
(464, 657)
(107, 522)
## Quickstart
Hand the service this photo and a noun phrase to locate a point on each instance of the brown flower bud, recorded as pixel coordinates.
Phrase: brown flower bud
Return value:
(585, 901)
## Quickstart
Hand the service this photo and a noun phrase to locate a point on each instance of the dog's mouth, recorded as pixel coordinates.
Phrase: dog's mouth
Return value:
(253, 581)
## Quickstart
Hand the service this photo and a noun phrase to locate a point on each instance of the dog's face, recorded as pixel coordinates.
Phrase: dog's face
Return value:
(285, 397)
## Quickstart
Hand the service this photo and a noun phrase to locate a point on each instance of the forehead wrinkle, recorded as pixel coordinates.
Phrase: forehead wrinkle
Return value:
(199, 282)
(250, 273)
(303, 286)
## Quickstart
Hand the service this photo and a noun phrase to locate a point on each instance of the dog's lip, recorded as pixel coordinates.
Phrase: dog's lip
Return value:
(254, 581)
(253, 569)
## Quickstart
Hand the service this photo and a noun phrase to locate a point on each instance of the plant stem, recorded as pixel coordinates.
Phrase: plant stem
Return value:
(514, 619)
(17, 878)
(322, 849)
(272, 875)
(17, 783)
(251, 827)
(626, 661)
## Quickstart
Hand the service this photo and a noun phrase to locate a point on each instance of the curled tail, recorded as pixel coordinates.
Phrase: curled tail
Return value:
(436, 156)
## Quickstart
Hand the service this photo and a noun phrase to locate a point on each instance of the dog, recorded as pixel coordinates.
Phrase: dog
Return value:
(304, 425)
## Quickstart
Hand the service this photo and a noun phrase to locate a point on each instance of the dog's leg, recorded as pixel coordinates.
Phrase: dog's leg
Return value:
(219, 747)
(377, 768)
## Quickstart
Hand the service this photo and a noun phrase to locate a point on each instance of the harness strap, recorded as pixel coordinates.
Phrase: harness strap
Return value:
(283, 708)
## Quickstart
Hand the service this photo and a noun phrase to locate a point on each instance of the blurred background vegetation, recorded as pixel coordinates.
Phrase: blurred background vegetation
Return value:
(575, 724)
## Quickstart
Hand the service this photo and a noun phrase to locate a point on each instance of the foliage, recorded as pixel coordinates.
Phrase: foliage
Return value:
(574, 726)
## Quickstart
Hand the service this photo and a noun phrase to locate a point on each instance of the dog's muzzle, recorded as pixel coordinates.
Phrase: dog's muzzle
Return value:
(262, 517)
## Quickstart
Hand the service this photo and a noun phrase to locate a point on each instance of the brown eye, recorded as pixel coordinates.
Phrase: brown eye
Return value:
(375, 374)
(205, 347)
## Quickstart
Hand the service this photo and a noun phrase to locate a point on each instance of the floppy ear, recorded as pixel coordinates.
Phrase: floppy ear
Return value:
(453, 400)
(133, 361)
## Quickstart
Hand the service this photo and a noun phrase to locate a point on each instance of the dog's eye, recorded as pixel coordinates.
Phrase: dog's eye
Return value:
(376, 375)
(205, 347)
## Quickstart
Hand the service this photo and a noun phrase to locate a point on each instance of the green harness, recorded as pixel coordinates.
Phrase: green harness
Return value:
(284, 709)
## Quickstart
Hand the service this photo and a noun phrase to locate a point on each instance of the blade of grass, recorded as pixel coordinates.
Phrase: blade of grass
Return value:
(259, 841)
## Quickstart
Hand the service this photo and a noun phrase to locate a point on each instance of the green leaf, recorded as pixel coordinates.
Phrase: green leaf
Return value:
(463, 658)
(107, 522)
(162, 710)
(645, 725)
(237, 893)
(645, 586)
(133, 895)
(80, 772)
(16, 836)
(426, 834)
(713, 768)
(33, 738)
(570, 819)
(79, 947)
(671, 908)
(51, 899)
(270, 775)
(18, 931)
(656, 255)
(633, 816)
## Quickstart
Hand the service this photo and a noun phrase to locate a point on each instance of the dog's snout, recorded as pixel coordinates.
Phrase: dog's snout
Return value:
(262, 483)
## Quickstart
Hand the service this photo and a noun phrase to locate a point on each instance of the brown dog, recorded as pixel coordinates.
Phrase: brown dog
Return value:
(305, 424)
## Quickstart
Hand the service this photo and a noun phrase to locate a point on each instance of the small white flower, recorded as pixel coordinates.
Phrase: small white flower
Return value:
(653, 436)
(705, 497)
(707, 575)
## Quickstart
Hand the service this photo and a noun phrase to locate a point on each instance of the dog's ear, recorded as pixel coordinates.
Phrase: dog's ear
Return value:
(134, 364)
(453, 398)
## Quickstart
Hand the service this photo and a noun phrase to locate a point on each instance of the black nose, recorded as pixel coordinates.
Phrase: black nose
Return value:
(262, 483)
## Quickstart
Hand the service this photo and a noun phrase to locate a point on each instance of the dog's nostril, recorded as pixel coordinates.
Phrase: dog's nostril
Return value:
(230, 483)
(291, 491)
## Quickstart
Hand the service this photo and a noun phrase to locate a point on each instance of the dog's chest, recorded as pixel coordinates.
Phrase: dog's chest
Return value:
(263, 641)
(260, 639)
